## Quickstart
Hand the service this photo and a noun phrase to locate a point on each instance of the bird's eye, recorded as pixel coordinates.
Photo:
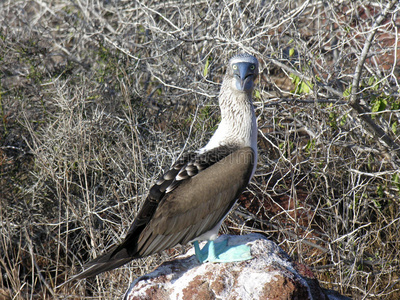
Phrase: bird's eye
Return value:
(252, 67)
(234, 67)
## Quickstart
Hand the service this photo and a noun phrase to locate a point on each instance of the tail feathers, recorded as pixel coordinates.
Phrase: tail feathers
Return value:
(106, 262)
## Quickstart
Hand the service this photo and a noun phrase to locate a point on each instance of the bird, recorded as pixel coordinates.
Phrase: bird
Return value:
(189, 202)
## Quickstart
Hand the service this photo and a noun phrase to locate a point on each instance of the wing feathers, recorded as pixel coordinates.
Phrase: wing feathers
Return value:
(105, 262)
(203, 200)
(188, 200)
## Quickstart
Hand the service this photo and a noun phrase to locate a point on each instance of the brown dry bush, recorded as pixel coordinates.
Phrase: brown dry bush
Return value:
(98, 97)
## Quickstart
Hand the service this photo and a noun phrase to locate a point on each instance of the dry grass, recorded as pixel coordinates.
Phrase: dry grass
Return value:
(97, 97)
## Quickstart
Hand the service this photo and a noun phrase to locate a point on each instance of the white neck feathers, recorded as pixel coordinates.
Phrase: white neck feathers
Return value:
(238, 125)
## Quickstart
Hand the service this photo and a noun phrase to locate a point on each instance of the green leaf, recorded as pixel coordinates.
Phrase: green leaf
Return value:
(371, 80)
(310, 145)
(379, 104)
(206, 67)
(305, 87)
(396, 178)
(332, 120)
(380, 191)
(302, 87)
(377, 204)
(394, 127)
(291, 52)
(295, 78)
(343, 120)
(347, 92)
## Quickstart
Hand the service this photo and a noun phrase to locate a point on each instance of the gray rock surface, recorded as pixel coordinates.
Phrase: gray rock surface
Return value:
(271, 274)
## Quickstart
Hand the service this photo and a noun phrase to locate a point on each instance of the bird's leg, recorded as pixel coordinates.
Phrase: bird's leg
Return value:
(197, 251)
(222, 252)
(207, 254)
(212, 256)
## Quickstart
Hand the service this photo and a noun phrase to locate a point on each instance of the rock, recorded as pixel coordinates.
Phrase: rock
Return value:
(269, 275)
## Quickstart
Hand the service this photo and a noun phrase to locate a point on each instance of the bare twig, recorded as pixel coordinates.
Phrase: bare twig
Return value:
(354, 97)
(354, 100)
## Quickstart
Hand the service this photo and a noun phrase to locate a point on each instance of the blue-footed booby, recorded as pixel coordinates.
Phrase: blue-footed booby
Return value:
(189, 202)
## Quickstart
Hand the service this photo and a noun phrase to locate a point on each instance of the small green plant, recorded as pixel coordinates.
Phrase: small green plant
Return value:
(310, 146)
(347, 92)
(394, 127)
(396, 180)
(291, 52)
(301, 86)
(379, 104)
(257, 95)
(332, 120)
(207, 66)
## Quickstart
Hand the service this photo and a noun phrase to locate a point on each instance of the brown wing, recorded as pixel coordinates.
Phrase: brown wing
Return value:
(188, 200)
(183, 170)
(197, 205)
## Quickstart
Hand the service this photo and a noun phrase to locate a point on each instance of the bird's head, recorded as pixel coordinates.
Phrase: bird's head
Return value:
(243, 69)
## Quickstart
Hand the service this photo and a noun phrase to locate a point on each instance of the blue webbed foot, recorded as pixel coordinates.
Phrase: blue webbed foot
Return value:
(221, 252)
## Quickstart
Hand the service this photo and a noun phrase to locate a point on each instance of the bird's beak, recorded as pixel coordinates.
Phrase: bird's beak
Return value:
(244, 77)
